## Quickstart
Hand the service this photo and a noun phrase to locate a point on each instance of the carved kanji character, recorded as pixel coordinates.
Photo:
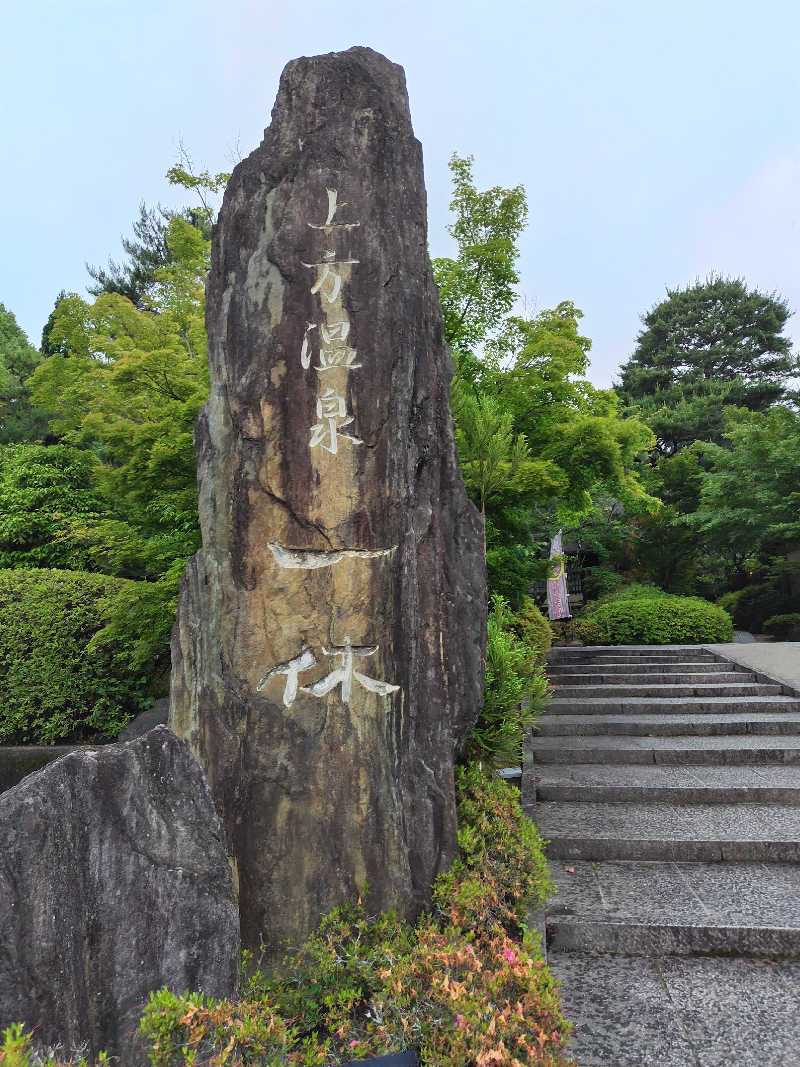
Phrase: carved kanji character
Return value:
(331, 410)
(302, 662)
(346, 673)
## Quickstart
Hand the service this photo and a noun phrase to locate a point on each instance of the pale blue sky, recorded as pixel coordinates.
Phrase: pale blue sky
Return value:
(657, 142)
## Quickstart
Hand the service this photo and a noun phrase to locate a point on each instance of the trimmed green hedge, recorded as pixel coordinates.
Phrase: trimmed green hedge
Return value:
(65, 675)
(658, 620)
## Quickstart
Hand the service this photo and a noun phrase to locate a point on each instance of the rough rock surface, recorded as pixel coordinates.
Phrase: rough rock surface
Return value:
(114, 881)
(328, 652)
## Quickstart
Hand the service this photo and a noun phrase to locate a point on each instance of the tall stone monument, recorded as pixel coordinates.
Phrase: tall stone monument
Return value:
(328, 652)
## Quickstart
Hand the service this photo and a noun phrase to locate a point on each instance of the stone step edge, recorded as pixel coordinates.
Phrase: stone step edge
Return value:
(571, 680)
(669, 849)
(621, 937)
(702, 728)
(676, 706)
(669, 757)
(662, 794)
(701, 666)
(572, 649)
(735, 690)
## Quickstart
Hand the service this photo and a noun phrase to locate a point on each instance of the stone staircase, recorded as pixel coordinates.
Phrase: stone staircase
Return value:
(667, 781)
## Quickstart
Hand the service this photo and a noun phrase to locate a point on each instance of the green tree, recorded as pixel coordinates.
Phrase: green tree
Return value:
(128, 390)
(535, 439)
(547, 441)
(711, 345)
(750, 495)
(574, 428)
(663, 549)
(18, 358)
(477, 289)
(150, 250)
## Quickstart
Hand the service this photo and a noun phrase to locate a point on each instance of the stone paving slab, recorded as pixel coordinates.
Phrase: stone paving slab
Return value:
(783, 723)
(676, 1012)
(779, 659)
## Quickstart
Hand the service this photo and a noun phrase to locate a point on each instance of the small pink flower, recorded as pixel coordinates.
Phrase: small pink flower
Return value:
(460, 1021)
(510, 955)
(353, 1044)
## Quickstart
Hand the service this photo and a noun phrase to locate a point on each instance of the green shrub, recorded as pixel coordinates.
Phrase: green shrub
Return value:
(64, 676)
(753, 605)
(44, 490)
(533, 629)
(661, 620)
(514, 693)
(772, 592)
(466, 986)
(631, 591)
(783, 626)
(750, 607)
(598, 582)
(16, 1051)
(587, 633)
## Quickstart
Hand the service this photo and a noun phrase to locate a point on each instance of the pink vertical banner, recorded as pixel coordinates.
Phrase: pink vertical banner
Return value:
(557, 599)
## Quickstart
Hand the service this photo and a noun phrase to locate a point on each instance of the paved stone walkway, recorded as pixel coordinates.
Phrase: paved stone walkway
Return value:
(667, 781)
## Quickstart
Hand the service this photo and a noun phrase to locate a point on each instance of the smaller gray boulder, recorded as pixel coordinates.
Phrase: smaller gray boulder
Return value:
(114, 881)
(145, 721)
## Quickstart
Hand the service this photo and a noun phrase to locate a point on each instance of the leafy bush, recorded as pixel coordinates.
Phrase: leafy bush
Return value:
(514, 694)
(753, 605)
(631, 591)
(16, 1051)
(466, 986)
(599, 581)
(772, 591)
(65, 674)
(533, 629)
(588, 633)
(783, 626)
(663, 619)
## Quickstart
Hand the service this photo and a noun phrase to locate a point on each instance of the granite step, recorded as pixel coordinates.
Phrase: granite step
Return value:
(647, 783)
(590, 705)
(642, 668)
(621, 655)
(706, 833)
(672, 939)
(709, 725)
(673, 1011)
(685, 677)
(673, 823)
(644, 908)
(674, 751)
(670, 692)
